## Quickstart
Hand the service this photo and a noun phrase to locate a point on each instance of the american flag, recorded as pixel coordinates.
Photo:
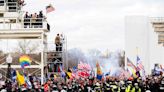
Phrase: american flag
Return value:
(81, 65)
(49, 8)
(84, 66)
(139, 64)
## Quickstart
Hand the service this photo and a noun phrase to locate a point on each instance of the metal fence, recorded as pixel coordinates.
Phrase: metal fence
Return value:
(25, 23)
(10, 6)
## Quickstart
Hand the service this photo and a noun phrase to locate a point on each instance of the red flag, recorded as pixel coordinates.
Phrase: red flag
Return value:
(58, 68)
(46, 87)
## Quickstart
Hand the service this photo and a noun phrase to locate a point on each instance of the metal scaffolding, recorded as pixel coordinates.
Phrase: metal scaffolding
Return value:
(14, 26)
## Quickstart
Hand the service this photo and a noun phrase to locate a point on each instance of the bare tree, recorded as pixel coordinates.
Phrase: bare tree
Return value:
(27, 46)
(75, 56)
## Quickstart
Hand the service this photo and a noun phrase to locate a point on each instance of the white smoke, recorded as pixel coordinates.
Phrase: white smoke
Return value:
(109, 61)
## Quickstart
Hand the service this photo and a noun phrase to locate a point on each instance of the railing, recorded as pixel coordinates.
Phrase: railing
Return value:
(35, 23)
(2, 2)
(26, 23)
(52, 47)
(12, 6)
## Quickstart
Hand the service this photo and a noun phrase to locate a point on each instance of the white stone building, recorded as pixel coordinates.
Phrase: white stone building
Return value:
(144, 36)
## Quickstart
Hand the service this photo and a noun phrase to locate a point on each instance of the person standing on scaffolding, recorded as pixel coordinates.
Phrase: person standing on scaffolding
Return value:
(57, 42)
(61, 42)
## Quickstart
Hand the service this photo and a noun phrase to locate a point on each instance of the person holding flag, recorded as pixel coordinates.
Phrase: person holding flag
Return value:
(140, 68)
(131, 68)
(20, 78)
(28, 83)
(99, 72)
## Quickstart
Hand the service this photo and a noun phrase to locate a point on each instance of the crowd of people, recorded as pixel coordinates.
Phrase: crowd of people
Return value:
(153, 84)
(33, 20)
(91, 84)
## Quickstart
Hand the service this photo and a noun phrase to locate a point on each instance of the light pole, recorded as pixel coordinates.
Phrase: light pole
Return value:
(8, 76)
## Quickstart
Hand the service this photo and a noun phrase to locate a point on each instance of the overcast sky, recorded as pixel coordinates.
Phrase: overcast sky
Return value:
(92, 24)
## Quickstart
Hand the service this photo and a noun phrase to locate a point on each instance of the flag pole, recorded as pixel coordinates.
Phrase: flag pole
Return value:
(136, 54)
(23, 71)
(137, 51)
(125, 59)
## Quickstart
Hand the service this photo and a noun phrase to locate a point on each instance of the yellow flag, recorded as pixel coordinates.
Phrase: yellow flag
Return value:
(69, 74)
(55, 76)
(133, 71)
(99, 72)
(20, 78)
